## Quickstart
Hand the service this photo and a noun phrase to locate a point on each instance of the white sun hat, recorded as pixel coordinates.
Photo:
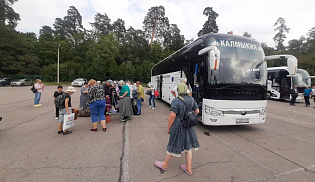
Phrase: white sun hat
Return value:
(71, 89)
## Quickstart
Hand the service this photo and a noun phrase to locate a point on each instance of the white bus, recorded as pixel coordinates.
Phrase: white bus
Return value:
(281, 79)
(227, 75)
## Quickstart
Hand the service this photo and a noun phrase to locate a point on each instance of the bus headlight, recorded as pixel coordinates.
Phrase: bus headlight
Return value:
(262, 111)
(212, 111)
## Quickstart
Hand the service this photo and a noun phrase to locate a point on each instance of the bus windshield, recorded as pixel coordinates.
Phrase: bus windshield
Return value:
(302, 79)
(241, 62)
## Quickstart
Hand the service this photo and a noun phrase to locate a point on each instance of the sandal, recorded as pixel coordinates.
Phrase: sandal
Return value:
(183, 167)
(158, 164)
(67, 132)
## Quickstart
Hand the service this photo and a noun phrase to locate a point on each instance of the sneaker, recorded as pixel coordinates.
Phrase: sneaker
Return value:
(129, 118)
(123, 120)
(150, 107)
(36, 105)
(56, 118)
(153, 107)
(39, 105)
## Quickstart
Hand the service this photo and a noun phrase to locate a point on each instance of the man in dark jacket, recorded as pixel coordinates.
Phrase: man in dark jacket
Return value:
(294, 94)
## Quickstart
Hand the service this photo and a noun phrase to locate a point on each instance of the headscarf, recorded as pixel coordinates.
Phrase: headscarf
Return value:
(182, 90)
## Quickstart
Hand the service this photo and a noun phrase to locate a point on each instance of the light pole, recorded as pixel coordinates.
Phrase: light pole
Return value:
(58, 65)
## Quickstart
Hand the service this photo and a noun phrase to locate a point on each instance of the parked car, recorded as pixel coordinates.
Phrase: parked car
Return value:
(22, 82)
(78, 82)
(5, 81)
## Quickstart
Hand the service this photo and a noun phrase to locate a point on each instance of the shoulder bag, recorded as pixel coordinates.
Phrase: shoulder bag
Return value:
(190, 118)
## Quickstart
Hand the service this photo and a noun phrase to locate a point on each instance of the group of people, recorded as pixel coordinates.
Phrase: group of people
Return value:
(98, 97)
(307, 94)
(95, 95)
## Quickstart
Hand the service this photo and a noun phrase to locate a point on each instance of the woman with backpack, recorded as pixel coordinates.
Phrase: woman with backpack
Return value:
(182, 139)
(96, 100)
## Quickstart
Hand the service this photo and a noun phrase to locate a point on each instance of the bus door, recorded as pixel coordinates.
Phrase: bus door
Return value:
(185, 73)
(159, 86)
(198, 85)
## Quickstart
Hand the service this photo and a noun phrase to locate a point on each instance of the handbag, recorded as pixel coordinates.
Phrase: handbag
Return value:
(156, 93)
(68, 121)
(33, 89)
(148, 92)
(190, 118)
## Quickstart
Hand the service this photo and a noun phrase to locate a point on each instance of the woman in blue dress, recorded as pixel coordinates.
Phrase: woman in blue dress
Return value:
(182, 140)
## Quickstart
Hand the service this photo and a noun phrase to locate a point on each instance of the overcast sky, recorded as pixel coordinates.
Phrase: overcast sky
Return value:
(254, 16)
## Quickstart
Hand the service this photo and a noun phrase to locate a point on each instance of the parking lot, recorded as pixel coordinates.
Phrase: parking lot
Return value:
(282, 149)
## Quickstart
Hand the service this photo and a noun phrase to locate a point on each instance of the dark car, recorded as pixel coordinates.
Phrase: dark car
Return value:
(5, 81)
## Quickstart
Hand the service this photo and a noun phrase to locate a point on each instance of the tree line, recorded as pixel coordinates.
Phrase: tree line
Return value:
(109, 49)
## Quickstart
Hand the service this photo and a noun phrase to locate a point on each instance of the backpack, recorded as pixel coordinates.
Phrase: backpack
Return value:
(135, 94)
(190, 118)
(60, 100)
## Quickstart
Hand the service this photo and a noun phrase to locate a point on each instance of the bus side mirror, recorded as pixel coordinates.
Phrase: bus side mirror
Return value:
(213, 56)
(292, 65)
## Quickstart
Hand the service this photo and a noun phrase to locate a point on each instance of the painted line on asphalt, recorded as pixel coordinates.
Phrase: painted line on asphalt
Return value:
(290, 119)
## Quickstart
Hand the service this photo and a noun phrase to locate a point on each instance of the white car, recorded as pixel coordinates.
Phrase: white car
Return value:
(22, 82)
(78, 82)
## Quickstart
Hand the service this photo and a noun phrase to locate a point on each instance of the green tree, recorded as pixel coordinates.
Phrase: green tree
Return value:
(156, 53)
(280, 36)
(310, 41)
(246, 34)
(296, 46)
(268, 50)
(210, 26)
(101, 57)
(17, 52)
(119, 29)
(173, 39)
(155, 24)
(7, 14)
(101, 24)
(70, 28)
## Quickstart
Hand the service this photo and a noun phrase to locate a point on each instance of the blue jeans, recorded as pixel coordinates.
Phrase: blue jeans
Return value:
(152, 97)
(37, 98)
(97, 110)
(139, 105)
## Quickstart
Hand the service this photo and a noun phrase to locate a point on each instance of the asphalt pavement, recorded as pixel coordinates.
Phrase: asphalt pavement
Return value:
(282, 149)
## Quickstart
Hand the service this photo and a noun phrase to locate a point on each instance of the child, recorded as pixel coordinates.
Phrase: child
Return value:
(66, 110)
(56, 94)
